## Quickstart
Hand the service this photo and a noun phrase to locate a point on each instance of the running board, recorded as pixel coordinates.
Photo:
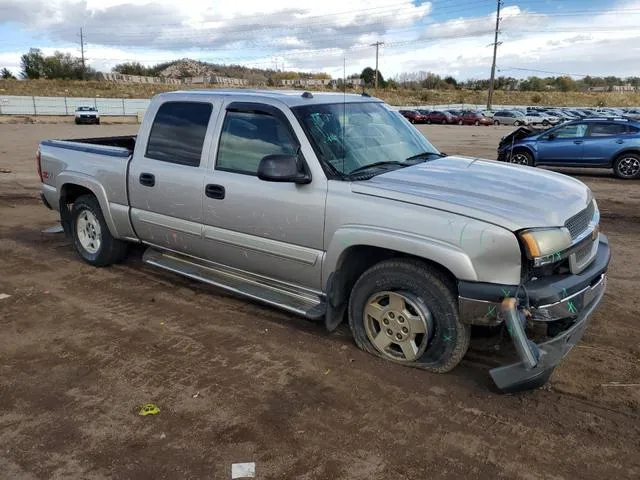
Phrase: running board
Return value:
(277, 294)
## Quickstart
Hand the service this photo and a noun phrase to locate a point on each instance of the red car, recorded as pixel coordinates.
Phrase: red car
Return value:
(474, 118)
(441, 116)
(413, 116)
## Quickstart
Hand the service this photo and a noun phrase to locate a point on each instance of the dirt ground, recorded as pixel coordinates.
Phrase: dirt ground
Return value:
(82, 348)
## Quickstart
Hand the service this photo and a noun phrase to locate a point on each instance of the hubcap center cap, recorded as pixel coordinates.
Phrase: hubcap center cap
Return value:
(396, 325)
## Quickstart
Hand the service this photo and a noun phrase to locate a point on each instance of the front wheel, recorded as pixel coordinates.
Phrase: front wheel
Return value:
(627, 166)
(460, 122)
(428, 121)
(520, 157)
(91, 236)
(545, 123)
(477, 123)
(444, 122)
(496, 122)
(517, 123)
(406, 312)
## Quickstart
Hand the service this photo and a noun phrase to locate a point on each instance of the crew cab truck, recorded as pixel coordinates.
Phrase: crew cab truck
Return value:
(335, 207)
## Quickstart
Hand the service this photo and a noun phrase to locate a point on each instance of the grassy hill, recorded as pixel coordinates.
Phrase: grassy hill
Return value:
(76, 88)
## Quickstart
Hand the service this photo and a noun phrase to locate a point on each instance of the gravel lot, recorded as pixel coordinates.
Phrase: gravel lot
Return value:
(82, 348)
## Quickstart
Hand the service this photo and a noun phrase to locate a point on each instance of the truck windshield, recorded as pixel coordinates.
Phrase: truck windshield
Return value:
(351, 136)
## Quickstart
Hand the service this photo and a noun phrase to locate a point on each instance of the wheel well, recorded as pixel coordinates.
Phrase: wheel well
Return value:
(359, 258)
(69, 193)
(624, 152)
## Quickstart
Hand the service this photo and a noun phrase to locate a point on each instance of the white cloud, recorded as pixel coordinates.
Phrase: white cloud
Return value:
(319, 36)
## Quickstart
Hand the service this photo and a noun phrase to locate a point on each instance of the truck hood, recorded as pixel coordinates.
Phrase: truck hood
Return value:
(511, 196)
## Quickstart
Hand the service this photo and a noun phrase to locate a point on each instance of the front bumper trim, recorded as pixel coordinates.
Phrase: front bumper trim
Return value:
(517, 377)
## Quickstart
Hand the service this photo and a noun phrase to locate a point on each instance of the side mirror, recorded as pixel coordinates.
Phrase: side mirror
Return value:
(551, 136)
(282, 168)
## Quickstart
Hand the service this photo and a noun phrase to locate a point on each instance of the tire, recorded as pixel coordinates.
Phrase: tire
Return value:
(496, 122)
(428, 121)
(627, 166)
(477, 123)
(460, 122)
(412, 120)
(98, 122)
(545, 123)
(77, 121)
(521, 157)
(444, 122)
(91, 236)
(517, 123)
(428, 302)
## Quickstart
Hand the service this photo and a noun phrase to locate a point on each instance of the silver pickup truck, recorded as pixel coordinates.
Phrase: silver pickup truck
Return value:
(334, 207)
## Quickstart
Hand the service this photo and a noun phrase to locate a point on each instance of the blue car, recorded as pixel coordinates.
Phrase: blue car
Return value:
(587, 142)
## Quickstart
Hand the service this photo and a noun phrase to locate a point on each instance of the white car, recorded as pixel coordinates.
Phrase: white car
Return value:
(87, 114)
(541, 118)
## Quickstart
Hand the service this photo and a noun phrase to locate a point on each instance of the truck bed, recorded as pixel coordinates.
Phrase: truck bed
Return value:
(120, 145)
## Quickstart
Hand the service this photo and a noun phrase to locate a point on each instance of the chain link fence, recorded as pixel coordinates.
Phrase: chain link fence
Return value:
(24, 105)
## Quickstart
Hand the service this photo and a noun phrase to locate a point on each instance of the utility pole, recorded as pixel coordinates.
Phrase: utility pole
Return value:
(495, 53)
(82, 53)
(375, 80)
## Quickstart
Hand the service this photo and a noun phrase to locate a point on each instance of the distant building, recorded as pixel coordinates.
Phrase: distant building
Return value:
(304, 82)
(614, 88)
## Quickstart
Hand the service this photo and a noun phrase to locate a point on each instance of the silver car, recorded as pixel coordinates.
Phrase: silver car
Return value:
(510, 117)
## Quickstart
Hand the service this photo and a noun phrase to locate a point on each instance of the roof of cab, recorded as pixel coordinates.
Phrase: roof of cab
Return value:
(291, 98)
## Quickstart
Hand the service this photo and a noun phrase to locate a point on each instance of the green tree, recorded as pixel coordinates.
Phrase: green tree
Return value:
(32, 64)
(565, 84)
(369, 74)
(132, 68)
(6, 74)
(451, 81)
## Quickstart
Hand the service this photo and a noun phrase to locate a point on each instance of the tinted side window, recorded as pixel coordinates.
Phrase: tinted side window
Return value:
(607, 129)
(571, 131)
(247, 137)
(178, 132)
(632, 130)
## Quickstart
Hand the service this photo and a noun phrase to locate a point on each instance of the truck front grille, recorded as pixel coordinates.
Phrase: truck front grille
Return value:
(580, 221)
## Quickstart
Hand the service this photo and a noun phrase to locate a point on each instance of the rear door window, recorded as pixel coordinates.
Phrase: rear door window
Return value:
(178, 132)
(607, 129)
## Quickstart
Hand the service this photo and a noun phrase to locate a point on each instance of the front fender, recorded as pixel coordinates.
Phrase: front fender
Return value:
(471, 250)
(90, 183)
(450, 256)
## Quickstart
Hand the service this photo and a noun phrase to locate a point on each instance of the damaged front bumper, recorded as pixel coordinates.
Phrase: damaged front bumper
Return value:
(568, 299)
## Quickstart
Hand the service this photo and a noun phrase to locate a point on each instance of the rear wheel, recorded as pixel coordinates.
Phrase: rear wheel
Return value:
(477, 123)
(545, 123)
(496, 122)
(444, 122)
(428, 121)
(517, 123)
(406, 312)
(627, 166)
(91, 236)
(460, 122)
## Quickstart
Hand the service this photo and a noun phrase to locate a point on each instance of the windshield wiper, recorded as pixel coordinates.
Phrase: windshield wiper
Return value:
(377, 165)
(424, 154)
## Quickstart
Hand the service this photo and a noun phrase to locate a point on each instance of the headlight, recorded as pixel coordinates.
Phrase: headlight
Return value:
(545, 246)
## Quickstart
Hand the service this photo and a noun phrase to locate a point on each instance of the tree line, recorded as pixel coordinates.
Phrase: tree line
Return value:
(563, 83)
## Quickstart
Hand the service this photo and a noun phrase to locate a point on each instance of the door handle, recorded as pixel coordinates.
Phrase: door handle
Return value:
(577, 142)
(214, 191)
(147, 179)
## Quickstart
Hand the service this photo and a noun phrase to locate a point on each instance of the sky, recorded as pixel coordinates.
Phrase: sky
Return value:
(447, 37)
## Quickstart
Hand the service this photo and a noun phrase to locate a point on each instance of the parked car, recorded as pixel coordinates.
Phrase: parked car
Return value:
(474, 118)
(285, 199)
(414, 116)
(589, 142)
(539, 118)
(87, 114)
(455, 115)
(510, 117)
(441, 116)
(423, 111)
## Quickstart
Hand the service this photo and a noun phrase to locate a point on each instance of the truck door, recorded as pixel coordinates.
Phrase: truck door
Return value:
(267, 228)
(166, 176)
